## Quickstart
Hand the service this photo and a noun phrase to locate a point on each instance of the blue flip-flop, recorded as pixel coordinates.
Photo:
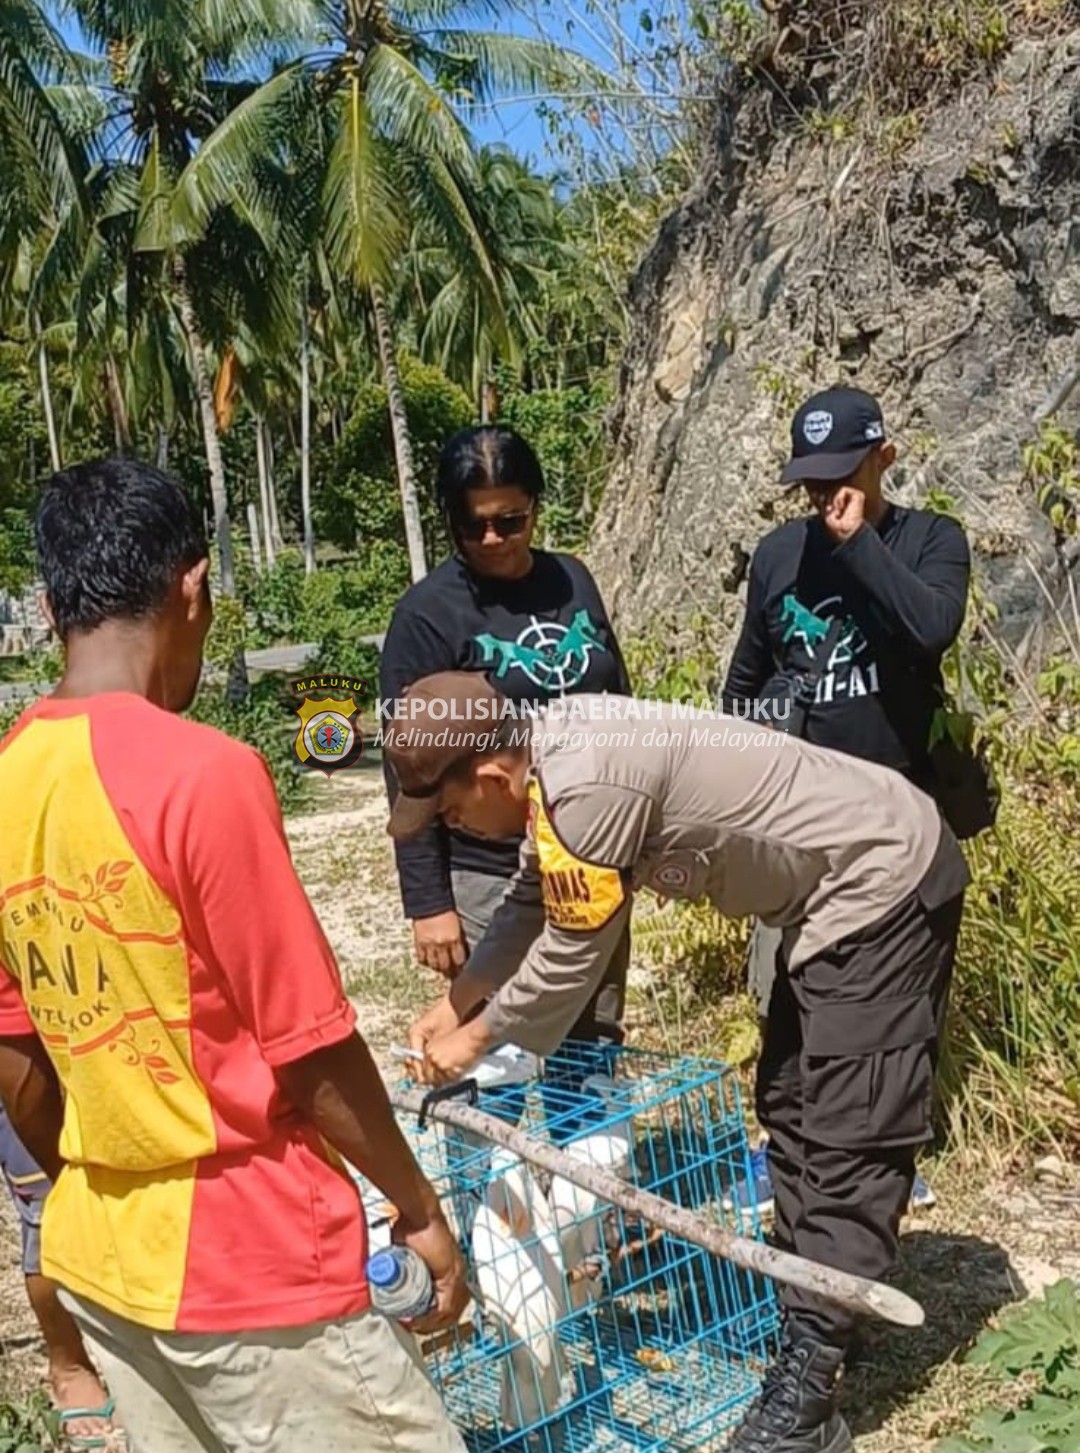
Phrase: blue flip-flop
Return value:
(81, 1441)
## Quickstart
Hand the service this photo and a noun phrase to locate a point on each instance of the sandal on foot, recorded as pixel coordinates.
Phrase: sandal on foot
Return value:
(85, 1441)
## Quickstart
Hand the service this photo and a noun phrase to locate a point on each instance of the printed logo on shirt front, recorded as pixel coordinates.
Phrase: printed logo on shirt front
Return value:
(66, 944)
(550, 655)
(848, 673)
(329, 739)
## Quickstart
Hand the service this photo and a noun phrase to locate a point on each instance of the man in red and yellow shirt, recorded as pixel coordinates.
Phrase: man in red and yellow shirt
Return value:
(176, 1048)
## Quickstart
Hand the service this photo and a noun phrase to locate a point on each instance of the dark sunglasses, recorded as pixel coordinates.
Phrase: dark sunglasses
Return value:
(504, 526)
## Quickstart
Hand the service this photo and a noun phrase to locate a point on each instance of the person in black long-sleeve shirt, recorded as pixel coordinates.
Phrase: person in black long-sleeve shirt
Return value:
(896, 580)
(534, 622)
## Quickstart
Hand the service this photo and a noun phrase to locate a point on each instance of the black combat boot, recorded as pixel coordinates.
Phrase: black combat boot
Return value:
(795, 1412)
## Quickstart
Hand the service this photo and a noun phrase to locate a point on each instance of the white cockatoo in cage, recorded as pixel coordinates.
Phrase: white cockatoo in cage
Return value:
(521, 1280)
(582, 1221)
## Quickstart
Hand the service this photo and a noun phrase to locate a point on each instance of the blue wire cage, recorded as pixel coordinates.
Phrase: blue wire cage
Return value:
(590, 1332)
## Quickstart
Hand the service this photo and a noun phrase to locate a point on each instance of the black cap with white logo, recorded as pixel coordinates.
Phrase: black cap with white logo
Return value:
(832, 434)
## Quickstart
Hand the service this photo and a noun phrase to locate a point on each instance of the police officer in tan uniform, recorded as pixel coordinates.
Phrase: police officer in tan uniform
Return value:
(847, 858)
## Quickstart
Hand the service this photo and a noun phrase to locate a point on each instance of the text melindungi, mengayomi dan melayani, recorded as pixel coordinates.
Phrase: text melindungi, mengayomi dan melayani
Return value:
(561, 712)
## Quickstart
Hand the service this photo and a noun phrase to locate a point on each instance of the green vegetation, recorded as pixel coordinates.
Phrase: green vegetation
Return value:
(887, 62)
(28, 1427)
(1037, 1349)
(301, 272)
(1052, 466)
(226, 296)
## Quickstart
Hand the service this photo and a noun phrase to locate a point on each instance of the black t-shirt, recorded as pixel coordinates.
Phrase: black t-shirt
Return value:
(901, 591)
(543, 636)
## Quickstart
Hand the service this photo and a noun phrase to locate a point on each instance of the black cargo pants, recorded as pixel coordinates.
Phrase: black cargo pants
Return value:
(845, 1090)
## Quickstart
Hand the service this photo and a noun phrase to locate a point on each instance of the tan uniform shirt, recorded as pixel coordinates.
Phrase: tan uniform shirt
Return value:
(814, 841)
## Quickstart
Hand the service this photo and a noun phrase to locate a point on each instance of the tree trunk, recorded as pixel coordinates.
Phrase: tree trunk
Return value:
(237, 686)
(275, 523)
(264, 489)
(47, 405)
(305, 442)
(117, 406)
(205, 393)
(253, 531)
(399, 427)
(162, 447)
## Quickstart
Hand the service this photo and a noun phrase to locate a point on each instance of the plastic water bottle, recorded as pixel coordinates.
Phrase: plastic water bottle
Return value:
(400, 1283)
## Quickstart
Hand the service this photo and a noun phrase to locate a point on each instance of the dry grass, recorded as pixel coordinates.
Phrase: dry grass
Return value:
(985, 1246)
(345, 859)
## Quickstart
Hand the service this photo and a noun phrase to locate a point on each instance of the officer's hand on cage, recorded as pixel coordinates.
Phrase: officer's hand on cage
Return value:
(441, 1019)
(450, 1058)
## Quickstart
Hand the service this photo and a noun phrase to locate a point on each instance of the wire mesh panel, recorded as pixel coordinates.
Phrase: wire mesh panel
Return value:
(590, 1332)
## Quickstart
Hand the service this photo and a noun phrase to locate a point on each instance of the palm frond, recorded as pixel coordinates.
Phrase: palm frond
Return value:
(227, 169)
(412, 113)
(239, 284)
(59, 266)
(81, 109)
(230, 30)
(29, 50)
(445, 205)
(419, 15)
(25, 28)
(152, 230)
(162, 28)
(488, 65)
(362, 209)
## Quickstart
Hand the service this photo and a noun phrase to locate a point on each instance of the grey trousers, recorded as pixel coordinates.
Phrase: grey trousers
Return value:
(478, 895)
(354, 1383)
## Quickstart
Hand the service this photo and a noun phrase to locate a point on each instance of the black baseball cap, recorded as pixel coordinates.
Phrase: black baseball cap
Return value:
(832, 434)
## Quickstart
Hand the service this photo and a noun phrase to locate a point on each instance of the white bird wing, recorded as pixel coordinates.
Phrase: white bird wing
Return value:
(516, 1292)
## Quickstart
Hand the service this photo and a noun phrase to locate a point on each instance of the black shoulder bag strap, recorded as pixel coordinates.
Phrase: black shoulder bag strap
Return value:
(806, 683)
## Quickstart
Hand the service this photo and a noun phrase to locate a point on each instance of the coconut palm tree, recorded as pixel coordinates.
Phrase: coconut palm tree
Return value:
(43, 200)
(176, 70)
(43, 167)
(374, 123)
(457, 325)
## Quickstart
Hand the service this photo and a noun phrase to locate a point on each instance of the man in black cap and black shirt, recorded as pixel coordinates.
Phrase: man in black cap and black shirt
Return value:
(885, 588)
(849, 612)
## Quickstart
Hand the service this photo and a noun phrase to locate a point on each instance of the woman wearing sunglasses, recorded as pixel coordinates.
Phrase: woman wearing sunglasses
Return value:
(533, 621)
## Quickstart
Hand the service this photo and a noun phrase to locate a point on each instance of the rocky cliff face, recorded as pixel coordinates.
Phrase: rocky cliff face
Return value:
(934, 261)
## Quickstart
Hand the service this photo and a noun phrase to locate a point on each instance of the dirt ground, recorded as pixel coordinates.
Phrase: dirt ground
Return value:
(988, 1243)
